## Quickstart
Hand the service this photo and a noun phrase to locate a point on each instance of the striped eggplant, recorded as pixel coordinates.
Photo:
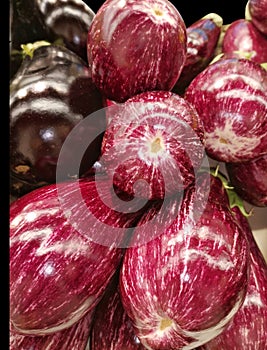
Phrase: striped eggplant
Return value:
(256, 11)
(202, 40)
(182, 288)
(135, 46)
(112, 328)
(230, 96)
(250, 180)
(74, 337)
(243, 39)
(67, 20)
(153, 144)
(247, 329)
(64, 248)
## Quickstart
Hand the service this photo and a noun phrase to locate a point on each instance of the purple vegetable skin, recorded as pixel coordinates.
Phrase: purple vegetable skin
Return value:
(183, 287)
(250, 180)
(75, 337)
(60, 261)
(230, 96)
(112, 328)
(243, 39)
(257, 13)
(202, 39)
(247, 330)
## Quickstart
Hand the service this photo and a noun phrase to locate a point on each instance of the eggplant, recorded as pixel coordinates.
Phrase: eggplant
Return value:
(250, 180)
(74, 337)
(182, 288)
(247, 329)
(65, 246)
(202, 40)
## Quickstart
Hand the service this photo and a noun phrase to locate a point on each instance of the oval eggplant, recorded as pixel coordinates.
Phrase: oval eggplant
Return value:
(202, 40)
(230, 96)
(256, 11)
(64, 249)
(135, 47)
(243, 39)
(183, 287)
(68, 20)
(51, 93)
(112, 328)
(154, 138)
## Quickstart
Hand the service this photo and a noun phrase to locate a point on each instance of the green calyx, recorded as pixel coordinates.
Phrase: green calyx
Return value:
(28, 49)
(233, 197)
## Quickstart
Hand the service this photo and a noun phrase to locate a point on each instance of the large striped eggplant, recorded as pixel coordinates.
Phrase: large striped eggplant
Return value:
(65, 245)
(74, 337)
(135, 46)
(247, 330)
(183, 287)
(153, 144)
(230, 96)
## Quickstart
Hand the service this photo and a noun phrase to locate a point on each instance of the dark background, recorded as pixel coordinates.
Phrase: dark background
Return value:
(191, 10)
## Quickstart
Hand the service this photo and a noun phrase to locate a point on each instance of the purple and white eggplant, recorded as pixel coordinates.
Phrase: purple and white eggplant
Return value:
(182, 288)
(230, 96)
(247, 329)
(243, 39)
(112, 328)
(256, 11)
(153, 144)
(250, 180)
(202, 40)
(75, 337)
(135, 47)
(64, 249)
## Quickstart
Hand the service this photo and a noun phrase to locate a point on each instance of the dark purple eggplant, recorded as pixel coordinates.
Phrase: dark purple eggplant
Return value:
(51, 93)
(68, 20)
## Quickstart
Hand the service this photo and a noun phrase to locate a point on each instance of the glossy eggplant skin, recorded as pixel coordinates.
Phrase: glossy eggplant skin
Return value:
(74, 337)
(250, 180)
(202, 39)
(112, 328)
(182, 288)
(68, 20)
(242, 38)
(36, 20)
(50, 94)
(247, 330)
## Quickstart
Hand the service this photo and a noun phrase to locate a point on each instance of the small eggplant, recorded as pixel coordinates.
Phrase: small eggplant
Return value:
(202, 39)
